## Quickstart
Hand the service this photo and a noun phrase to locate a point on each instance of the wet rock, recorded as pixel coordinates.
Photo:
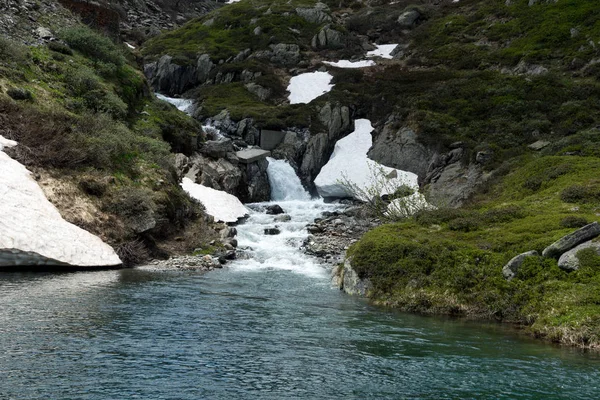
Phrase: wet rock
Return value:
(512, 267)
(283, 218)
(571, 240)
(272, 231)
(274, 209)
(313, 228)
(408, 19)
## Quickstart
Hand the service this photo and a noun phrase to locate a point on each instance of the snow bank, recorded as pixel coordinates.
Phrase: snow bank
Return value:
(349, 165)
(382, 50)
(6, 143)
(221, 205)
(351, 64)
(32, 232)
(304, 88)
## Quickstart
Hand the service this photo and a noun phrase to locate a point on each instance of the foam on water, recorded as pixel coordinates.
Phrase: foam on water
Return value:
(183, 105)
(282, 251)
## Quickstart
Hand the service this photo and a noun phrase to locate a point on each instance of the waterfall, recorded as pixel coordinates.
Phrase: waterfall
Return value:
(184, 105)
(285, 184)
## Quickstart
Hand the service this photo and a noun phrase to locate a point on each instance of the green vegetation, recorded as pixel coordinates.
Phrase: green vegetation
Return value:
(89, 119)
(225, 32)
(450, 261)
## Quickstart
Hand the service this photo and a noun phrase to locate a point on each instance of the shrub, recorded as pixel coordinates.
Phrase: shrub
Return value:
(93, 45)
(12, 51)
(82, 80)
(504, 214)
(580, 194)
(465, 224)
(19, 94)
(60, 48)
(105, 102)
(132, 253)
(534, 183)
(573, 222)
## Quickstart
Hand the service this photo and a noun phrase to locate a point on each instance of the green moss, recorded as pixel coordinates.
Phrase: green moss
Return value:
(451, 261)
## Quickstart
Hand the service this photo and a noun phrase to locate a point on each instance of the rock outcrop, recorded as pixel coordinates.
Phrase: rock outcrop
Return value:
(512, 267)
(569, 261)
(571, 240)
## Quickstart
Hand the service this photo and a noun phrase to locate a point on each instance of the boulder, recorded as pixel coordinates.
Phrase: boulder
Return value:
(272, 231)
(217, 148)
(285, 54)
(510, 269)
(316, 15)
(252, 155)
(261, 92)
(283, 218)
(399, 148)
(571, 240)
(408, 19)
(351, 283)
(569, 260)
(327, 38)
(256, 186)
(274, 209)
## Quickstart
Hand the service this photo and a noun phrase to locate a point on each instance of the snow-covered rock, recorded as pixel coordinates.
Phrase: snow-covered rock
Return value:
(221, 205)
(32, 231)
(349, 173)
(304, 88)
(383, 51)
(350, 64)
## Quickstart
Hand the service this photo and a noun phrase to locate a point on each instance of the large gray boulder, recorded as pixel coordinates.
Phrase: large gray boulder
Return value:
(409, 18)
(398, 147)
(217, 148)
(571, 240)
(319, 14)
(349, 281)
(569, 260)
(218, 174)
(327, 38)
(512, 267)
(285, 54)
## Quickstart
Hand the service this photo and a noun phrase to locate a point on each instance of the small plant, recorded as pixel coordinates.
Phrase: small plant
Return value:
(93, 45)
(573, 222)
(60, 47)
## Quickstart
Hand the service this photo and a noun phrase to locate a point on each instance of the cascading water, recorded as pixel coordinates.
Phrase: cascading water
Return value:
(281, 251)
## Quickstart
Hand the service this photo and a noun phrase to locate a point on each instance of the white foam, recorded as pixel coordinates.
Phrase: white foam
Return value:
(285, 184)
(221, 205)
(183, 105)
(304, 88)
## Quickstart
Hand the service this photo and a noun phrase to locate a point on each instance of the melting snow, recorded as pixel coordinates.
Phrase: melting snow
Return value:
(32, 231)
(383, 50)
(349, 164)
(223, 206)
(351, 64)
(304, 88)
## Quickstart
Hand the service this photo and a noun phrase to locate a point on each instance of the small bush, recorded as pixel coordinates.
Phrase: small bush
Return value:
(573, 222)
(19, 94)
(93, 45)
(504, 214)
(12, 51)
(533, 183)
(105, 102)
(466, 224)
(580, 194)
(82, 80)
(60, 48)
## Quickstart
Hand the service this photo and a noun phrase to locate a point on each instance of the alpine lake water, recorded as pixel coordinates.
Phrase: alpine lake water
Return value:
(267, 326)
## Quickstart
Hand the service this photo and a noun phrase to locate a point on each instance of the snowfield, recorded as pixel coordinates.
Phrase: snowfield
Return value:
(349, 166)
(221, 205)
(32, 231)
(304, 88)
(383, 50)
(351, 64)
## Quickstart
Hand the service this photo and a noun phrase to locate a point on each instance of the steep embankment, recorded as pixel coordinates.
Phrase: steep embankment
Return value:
(99, 145)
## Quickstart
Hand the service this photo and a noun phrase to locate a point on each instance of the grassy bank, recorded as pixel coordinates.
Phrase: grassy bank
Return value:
(450, 261)
(102, 146)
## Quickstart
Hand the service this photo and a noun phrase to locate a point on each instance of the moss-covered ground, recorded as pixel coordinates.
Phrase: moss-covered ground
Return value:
(83, 113)
(450, 261)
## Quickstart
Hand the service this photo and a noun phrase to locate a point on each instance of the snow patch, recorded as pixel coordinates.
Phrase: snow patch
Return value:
(221, 205)
(351, 64)
(382, 50)
(132, 47)
(4, 142)
(304, 88)
(349, 165)
(32, 231)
